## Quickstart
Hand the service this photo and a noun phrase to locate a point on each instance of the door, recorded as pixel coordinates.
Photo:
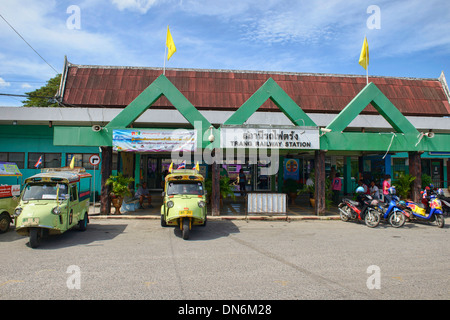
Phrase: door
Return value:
(436, 173)
(74, 206)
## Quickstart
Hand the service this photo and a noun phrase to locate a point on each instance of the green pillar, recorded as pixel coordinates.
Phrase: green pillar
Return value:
(137, 169)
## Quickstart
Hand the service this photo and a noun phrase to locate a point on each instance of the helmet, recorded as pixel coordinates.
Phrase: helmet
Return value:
(360, 190)
(392, 190)
(440, 192)
(402, 204)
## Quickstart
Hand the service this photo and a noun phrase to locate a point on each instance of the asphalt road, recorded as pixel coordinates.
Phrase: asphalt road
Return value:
(275, 260)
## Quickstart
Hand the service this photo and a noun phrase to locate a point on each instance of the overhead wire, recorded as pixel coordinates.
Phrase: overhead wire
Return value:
(28, 44)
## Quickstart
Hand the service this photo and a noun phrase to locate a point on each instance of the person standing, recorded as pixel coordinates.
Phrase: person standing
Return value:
(386, 186)
(242, 181)
(336, 186)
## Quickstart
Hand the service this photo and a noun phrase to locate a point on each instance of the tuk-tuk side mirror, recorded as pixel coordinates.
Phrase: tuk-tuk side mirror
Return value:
(163, 194)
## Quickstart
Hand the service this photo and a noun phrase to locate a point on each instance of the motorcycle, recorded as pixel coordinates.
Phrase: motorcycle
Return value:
(354, 210)
(429, 210)
(445, 202)
(394, 212)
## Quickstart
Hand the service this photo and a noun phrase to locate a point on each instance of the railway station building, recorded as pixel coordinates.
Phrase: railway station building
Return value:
(274, 126)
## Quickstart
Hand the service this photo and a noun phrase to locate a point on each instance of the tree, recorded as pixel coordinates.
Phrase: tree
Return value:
(42, 97)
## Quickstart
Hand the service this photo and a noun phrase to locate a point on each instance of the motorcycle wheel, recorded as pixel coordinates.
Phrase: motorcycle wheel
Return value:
(372, 218)
(397, 219)
(343, 216)
(439, 220)
(185, 232)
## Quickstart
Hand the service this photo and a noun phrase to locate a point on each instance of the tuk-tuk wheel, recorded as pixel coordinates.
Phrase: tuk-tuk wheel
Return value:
(82, 224)
(4, 222)
(185, 231)
(35, 237)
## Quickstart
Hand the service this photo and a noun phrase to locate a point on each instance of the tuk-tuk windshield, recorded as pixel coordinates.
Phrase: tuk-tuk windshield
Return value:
(44, 191)
(185, 187)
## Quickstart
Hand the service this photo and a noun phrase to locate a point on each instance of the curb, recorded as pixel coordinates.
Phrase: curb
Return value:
(224, 218)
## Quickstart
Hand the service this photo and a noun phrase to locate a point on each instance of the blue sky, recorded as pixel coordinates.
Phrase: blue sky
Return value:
(406, 38)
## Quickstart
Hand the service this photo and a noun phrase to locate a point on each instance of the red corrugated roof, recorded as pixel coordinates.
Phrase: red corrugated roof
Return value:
(99, 86)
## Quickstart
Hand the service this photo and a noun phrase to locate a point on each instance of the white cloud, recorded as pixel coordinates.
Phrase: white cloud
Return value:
(3, 83)
(141, 6)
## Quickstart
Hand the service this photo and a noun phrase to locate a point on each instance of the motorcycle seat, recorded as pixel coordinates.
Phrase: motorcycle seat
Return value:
(354, 203)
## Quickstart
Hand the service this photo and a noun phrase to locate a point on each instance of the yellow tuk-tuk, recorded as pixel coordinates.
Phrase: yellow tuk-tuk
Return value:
(184, 201)
(53, 202)
(9, 194)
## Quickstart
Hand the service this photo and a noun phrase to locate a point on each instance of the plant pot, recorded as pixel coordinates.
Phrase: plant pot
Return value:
(117, 203)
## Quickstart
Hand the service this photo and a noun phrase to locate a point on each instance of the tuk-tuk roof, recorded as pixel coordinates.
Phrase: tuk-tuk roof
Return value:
(184, 174)
(9, 169)
(64, 174)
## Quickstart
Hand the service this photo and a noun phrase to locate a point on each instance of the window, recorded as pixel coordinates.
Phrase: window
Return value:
(16, 157)
(49, 160)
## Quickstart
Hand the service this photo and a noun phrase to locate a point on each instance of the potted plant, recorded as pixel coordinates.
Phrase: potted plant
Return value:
(290, 187)
(309, 188)
(403, 185)
(226, 189)
(119, 189)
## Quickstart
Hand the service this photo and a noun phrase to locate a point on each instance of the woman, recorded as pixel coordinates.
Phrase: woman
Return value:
(386, 186)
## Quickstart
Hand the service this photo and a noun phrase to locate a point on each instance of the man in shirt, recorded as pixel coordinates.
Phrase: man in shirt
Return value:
(374, 191)
(143, 193)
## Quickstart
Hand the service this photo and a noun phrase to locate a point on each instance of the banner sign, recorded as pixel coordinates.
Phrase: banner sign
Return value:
(270, 137)
(9, 169)
(9, 191)
(154, 140)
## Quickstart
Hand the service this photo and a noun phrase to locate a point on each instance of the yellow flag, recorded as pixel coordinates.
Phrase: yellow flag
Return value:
(171, 167)
(72, 162)
(364, 56)
(170, 44)
(197, 167)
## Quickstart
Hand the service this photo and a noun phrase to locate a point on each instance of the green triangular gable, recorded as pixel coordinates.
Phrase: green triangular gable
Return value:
(270, 90)
(161, 86)
(372, 95)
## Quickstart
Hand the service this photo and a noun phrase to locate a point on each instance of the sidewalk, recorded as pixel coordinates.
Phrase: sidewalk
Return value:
(231, 210)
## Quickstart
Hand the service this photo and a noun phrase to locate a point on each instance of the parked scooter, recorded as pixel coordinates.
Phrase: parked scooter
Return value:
(429, 210)
(445, 202)
(393, 211)
(364, 209)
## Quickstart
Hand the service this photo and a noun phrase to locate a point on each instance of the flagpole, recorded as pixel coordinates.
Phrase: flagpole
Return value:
(367, 62)
(367, 67)
(164, 69)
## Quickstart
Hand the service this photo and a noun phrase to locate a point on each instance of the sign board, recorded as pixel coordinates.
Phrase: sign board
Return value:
(94, 159)
(154, 140)
(9, 191)
(9, 169)
(270, 137)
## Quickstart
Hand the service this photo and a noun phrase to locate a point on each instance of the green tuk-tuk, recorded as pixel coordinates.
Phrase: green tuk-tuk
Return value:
(53, 202)
(184, 201)
(9, 194)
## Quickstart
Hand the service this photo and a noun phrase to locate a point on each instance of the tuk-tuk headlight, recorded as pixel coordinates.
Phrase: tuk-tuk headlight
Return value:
(18, 211)
(56, 210)
(201, 204)
(170, 204)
